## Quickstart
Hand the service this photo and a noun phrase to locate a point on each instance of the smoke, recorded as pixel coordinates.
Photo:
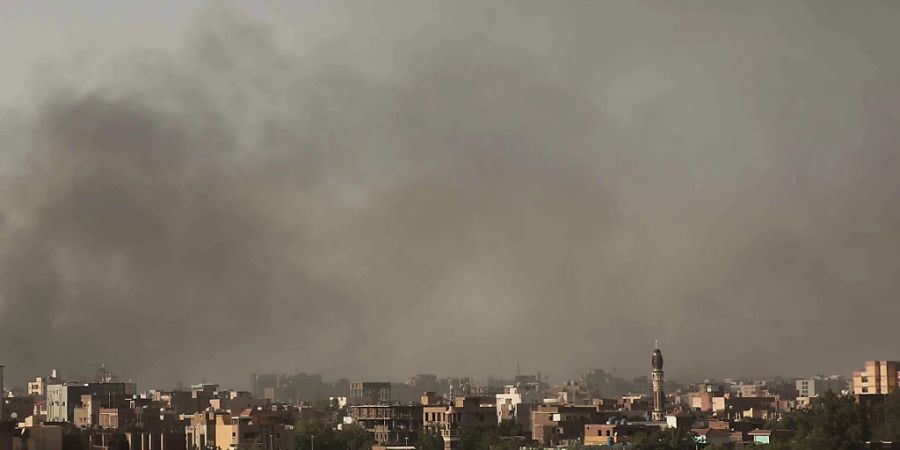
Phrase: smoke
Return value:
(461, 187)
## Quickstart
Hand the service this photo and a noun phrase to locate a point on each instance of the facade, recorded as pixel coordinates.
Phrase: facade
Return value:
(517, 402)
(369, 393)
(556, 424)
(265, 429)
(389, 424)
(766, 408)
(878, 377)
(62, 400)
(468, 412)
(424, 382)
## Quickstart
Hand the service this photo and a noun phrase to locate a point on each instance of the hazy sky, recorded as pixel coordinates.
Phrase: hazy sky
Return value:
(204, 190)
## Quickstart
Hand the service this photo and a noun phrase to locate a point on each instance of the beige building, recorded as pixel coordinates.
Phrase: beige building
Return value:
(611, 434)
(38, 386)
(879, 377)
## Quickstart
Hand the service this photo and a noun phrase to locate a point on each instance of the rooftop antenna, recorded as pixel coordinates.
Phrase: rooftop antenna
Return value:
(518, 370)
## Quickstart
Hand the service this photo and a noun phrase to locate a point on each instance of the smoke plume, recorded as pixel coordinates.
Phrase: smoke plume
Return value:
(460, 187)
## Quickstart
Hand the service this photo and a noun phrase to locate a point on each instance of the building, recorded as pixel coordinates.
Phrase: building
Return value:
(389, 424)
(657, 377)
(369, 393)
(264, 386)
(146, 440)
(268, 428)
(766, 408)
(818, 385)
(771, 436)
(614, 432)
(879, 377)
(424, 382)
(702, 399)
(38, 386)
(180, 402)
(569, 393)
(517, 402)
(468, 412)
(62, 399)
(553, 425)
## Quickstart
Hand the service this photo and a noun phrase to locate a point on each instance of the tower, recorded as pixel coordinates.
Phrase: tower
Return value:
(656, 375)
(450, 431)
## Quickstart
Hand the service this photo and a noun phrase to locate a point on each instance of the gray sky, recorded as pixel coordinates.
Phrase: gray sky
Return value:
(370, 190)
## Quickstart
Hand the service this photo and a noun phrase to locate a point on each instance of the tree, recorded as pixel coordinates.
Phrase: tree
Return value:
(832, 422)
(353, 437)
(888, 427)
(508, 428)
(311, 433)
(430, 439)
(668, 439)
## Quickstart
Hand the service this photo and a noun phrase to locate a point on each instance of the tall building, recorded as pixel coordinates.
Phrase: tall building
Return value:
(879, 377)
(264, 386)
(659, 396)
(370, 393)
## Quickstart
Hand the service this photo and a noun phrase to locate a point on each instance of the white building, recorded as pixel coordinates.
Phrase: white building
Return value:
(517, 402)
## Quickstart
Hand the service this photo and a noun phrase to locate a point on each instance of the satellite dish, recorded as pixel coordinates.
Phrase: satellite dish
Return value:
(14, 415)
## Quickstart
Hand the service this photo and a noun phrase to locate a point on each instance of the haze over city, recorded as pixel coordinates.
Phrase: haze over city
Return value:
(200, 190)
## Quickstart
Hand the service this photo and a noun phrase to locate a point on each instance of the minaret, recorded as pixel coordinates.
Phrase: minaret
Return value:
(450, 431)
(659, 396)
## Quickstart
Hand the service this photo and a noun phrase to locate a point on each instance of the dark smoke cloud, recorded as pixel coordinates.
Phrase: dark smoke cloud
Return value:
(462, 187)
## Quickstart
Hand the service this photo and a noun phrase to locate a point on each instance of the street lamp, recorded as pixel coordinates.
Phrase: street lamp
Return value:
(312, 442)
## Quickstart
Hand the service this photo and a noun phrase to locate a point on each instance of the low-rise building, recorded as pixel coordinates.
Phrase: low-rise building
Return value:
(614, 433)
(771, 436)
(561, 424)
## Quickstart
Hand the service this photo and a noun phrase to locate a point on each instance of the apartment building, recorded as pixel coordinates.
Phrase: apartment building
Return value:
(878, 377)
